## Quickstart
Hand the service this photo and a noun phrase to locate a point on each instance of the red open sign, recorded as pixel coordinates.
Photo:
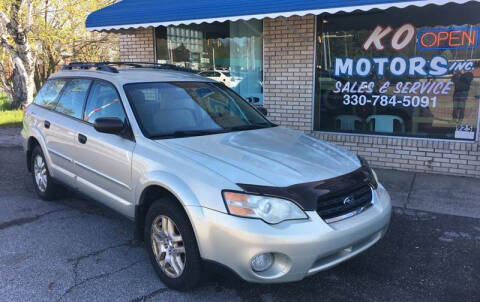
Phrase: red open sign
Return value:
(447, 38)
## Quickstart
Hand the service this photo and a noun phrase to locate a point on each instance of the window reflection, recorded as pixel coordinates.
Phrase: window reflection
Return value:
(408, 97)
(229, 52)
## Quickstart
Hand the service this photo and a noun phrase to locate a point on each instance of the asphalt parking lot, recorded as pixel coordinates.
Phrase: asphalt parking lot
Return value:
(73, 249)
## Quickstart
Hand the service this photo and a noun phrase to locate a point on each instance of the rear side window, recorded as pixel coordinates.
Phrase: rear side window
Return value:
(47, 96)
(103, 101)
(73, 96)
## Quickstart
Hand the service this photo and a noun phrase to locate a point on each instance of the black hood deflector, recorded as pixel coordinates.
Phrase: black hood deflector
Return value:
(308, 195)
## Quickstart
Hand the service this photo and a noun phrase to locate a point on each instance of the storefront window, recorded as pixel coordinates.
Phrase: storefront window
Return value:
(229, 52)
(406, 72)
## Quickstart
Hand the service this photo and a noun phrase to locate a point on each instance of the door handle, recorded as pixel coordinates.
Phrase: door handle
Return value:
(46, 124)
(82, 139)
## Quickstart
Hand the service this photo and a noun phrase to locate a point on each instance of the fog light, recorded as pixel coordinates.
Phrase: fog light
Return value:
(262, 262)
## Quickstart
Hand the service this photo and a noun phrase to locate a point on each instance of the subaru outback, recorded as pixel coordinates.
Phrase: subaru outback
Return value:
(204, 175)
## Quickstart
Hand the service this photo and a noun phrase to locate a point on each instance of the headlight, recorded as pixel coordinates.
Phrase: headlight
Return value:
(269, 209)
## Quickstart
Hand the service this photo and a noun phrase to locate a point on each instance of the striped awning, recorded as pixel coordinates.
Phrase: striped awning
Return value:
(146, 13)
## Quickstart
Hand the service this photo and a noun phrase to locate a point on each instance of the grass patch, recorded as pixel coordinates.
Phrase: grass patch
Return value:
(4, 103)
(9, 117)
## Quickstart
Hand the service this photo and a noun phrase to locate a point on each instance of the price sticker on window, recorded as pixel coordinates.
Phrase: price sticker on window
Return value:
(464, 132)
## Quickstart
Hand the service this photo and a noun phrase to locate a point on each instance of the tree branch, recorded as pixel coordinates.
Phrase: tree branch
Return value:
(4, 20)
(13, 25)
(28, 26)
(8, 46)
(4, 25)
(4, 78)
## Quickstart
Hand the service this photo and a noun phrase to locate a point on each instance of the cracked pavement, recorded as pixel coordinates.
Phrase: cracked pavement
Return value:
(75, 250)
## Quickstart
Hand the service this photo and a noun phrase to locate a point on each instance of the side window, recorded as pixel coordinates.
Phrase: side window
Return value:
(103, 101)
(73, 96)
(47, 96)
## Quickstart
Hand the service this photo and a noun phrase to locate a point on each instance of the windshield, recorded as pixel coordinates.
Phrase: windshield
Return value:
(177, 109)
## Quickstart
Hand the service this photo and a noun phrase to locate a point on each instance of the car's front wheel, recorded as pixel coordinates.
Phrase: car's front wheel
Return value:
(172, 246)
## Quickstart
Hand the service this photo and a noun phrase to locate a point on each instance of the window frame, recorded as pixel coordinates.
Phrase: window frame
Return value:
(88, 96)
(156, 34)
(69, 79)
(131, 136)
(316, 105)
(56, 98)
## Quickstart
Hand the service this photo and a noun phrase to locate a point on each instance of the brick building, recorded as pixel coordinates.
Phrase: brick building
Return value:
(398, 82)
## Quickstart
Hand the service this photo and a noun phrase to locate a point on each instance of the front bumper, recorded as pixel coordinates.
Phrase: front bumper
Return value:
(300, 248)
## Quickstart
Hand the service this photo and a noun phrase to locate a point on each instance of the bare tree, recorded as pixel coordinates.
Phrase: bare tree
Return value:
(60, 35)
(17, 67)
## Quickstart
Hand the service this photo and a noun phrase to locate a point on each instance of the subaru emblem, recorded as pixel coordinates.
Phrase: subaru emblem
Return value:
(348, 200)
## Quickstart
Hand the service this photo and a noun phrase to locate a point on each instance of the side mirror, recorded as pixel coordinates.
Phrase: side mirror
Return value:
(263, 110)
(112, 125)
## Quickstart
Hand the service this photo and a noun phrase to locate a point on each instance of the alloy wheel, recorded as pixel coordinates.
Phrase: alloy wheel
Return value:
(168, 247)
(40, 171)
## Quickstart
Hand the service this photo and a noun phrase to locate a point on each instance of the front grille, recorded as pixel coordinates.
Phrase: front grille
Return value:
(337, 204)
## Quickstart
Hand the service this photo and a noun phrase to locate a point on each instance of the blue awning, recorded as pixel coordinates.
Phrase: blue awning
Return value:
(145, 13)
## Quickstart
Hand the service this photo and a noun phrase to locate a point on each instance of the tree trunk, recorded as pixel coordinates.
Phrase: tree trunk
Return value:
(21, 84)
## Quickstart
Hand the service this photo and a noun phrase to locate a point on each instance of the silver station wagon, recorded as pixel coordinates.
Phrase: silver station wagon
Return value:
(204, 175)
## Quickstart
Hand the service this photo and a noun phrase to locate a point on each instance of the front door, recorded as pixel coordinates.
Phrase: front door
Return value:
(103, 161)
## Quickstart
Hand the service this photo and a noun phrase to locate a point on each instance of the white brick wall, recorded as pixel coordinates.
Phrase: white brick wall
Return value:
(137, 45)
(431, 156)
(288, 70)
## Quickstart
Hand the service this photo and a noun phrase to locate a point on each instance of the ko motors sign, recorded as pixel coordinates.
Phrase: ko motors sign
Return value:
(457, 38)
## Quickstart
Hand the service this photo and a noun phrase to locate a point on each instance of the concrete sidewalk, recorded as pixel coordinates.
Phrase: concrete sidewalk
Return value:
(444, 194)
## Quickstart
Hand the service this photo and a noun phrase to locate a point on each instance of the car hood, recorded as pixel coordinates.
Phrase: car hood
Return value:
(275, 156)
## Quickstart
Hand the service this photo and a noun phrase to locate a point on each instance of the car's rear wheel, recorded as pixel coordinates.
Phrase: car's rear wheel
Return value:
(172, 246)
(43, 183)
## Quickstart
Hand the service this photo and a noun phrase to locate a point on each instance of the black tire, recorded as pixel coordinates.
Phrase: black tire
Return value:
(190, 277)
(51, 189)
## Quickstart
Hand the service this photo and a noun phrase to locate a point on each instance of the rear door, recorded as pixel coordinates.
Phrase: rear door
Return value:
(60, 126)
(103, 161)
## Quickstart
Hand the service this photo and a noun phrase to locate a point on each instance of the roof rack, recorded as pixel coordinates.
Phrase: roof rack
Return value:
(109, 66)
(88, 65)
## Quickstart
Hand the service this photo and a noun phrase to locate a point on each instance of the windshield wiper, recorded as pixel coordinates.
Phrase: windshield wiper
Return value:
(187, 133)
(249, 127)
